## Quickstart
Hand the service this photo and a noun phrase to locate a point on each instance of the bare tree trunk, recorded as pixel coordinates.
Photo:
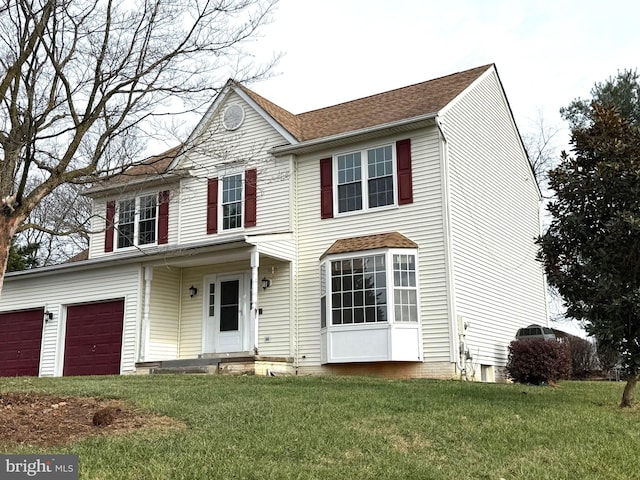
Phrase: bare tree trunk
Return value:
(627, 395)
(8, 227)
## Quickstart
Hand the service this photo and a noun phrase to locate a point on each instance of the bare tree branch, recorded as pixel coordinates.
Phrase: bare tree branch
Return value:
(81, 83)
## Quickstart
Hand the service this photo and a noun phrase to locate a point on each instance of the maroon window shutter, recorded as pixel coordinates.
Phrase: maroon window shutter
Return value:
(250, 195)
(163, 217)
(405, 182)
(109, 230)
(212, 205)
(326, 188)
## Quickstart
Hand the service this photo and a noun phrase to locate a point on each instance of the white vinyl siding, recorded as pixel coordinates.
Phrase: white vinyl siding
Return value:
(98, 222)
(55, 294)
(276, 323)
(219, 153)
(494, 209)
(164, 314)
(421, 221)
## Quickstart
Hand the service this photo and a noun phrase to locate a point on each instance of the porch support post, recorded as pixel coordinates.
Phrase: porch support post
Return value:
(255, 264)
(144, 337)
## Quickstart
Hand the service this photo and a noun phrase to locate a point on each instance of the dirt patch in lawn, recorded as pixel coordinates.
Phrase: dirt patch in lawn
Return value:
(28, 418)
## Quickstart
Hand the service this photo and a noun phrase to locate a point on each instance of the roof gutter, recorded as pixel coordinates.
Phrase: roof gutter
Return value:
(362, 134)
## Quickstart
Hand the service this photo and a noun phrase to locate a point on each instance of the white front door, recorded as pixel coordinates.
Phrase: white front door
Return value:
(225, 314)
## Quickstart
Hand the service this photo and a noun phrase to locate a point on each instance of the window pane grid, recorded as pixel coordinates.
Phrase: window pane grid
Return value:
(147, 223)
(126, 222)
(137, 221)
(232, 202)
(404, 270)
(380, 192)
(212, 299)
(405, 296)
(349, 182)
(356, 296)
(380, 163)
(365, 186)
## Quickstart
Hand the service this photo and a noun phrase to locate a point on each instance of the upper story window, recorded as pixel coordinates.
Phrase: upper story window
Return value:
(137, 221)
(231, 201)
(367, 179)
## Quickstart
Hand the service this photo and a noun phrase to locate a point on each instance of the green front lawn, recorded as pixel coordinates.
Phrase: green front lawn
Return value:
(356, 428)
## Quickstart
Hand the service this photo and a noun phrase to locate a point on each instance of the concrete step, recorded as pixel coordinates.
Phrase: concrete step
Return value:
(189, 362)
(202, 370)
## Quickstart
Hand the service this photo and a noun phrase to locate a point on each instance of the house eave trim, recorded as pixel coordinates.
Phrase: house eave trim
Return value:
(135, 184)
(131, 257)
(357, 135)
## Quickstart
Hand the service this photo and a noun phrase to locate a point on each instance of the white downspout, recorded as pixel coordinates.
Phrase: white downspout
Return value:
(457, 339)
(255, 264)
(148, 276)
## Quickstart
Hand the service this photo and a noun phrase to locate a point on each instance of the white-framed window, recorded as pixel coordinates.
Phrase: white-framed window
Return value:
(137, 221)
(232, 195)
(369, 305)
(365, 179)
(369, 288)
(405, 295)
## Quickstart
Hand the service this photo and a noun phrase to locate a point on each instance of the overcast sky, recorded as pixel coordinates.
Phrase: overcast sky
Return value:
(546, 52)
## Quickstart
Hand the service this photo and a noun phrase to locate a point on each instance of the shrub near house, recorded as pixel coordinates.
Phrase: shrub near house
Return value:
(538, 361)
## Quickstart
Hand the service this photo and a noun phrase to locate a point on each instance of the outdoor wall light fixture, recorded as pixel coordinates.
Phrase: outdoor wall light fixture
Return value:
(266, 283)
(48, 316)
(193, 291)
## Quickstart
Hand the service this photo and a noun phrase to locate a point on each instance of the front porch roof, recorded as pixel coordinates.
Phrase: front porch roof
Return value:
(151, 254)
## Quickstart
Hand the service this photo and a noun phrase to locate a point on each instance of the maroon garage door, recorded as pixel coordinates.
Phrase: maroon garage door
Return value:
(93, 340)
(20, 337)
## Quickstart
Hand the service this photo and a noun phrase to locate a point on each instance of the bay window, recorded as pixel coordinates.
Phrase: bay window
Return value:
(369, 306)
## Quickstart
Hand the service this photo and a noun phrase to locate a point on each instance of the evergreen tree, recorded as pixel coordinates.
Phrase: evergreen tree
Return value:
(22, 257)
(591, 251)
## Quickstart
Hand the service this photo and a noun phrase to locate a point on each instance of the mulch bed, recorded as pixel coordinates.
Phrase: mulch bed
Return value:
(28, 418)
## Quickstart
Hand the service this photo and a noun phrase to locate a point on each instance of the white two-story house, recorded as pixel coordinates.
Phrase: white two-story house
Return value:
(393, 234)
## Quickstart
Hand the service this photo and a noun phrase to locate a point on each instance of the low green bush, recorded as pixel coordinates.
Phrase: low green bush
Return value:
(538, 361)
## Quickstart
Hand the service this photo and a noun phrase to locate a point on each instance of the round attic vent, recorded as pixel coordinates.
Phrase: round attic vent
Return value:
(233, 117)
